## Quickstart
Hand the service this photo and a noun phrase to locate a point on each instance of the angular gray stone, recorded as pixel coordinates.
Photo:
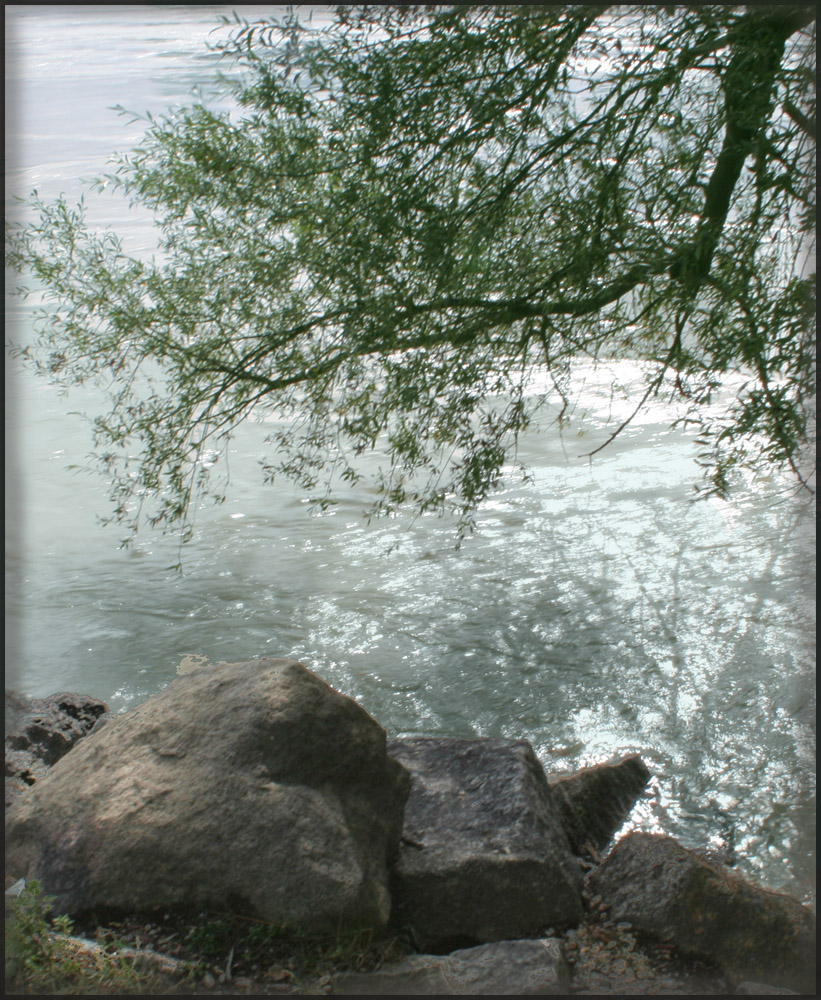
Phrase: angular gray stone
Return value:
(484, 856)
(707, 910)
(249, 786)
(504, 968)
(595, 802)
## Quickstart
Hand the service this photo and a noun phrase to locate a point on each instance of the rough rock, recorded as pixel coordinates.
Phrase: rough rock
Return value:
(484, 856)
(706, 910)
(504, 968)
(250, 786)
(51, 726)
(595, 802)
(43, 731)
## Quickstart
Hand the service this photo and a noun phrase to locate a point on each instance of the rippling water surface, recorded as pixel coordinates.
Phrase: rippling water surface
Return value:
(595, 611)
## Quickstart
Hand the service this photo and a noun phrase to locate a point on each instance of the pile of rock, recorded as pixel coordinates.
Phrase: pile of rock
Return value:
(254, 787)
(489, 847)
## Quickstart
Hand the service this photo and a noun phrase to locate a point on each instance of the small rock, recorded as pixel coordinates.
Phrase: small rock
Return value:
(595, 802)
(44, 730)
(503, 968)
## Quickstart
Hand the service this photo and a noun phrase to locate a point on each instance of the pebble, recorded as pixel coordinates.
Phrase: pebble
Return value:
(607, 960)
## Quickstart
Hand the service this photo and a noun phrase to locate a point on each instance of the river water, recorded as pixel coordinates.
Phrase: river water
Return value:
(596, 610)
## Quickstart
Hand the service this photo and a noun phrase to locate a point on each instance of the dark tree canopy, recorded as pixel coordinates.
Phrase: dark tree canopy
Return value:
(414, 209)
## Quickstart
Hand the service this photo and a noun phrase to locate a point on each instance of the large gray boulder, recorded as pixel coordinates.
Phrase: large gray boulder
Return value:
(504, 968)
(595, 802)
(484, 856)
(252, 786)
(708, 911)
